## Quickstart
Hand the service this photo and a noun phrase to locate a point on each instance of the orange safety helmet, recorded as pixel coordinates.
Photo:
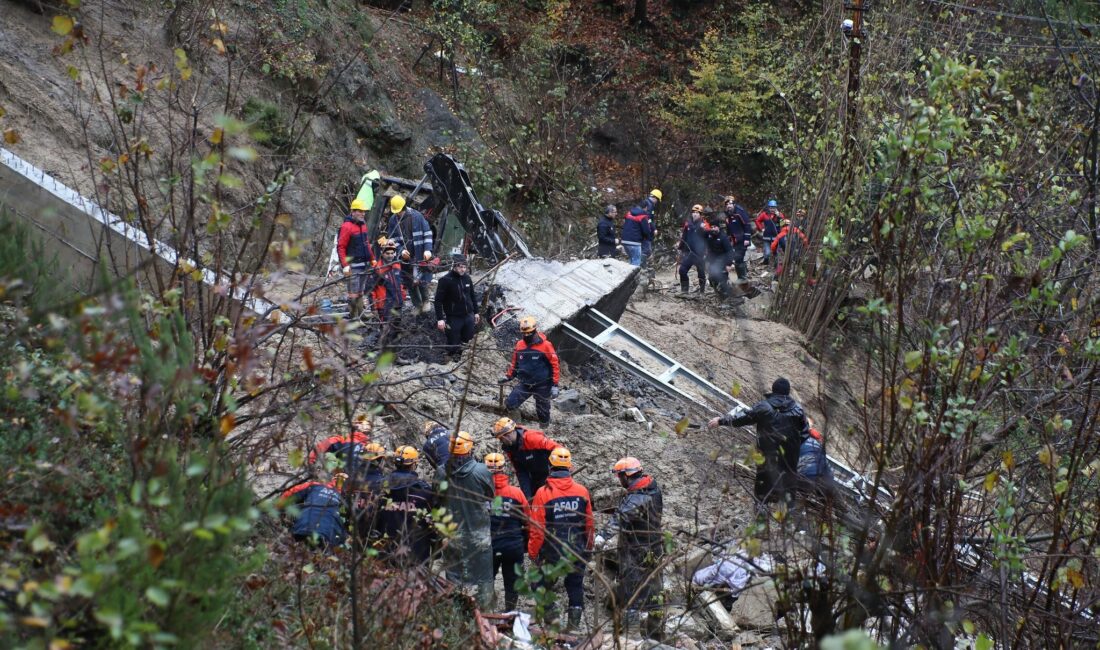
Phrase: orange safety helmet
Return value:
(462, 443)
(495, 462)
(697, 208)
(503, 427)
(373, 451)
(561, 457)
(628, 465)
(527, 324)
(432, 425)
(406, 456)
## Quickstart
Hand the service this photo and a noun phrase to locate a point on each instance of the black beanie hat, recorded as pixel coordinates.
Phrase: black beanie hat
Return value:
(781, 386)
(458, 258)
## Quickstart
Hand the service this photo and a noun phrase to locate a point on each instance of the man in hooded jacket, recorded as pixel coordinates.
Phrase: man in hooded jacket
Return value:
(781, 426)
(469, 491)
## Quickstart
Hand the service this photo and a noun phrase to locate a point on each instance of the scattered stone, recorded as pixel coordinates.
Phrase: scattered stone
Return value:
(748, 638)
(571, 401)
(635, 414)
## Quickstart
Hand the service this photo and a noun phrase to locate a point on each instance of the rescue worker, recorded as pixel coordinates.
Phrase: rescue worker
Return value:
(456, 307)
(405, 518)
(370, 489)
(412, 234)
(719, 254)
(815, 476)
(509, 517)
(789, 237)
(346, 446)
(319, 520)
(607, 242)
(528, 450)
(693, 251)
(356, 258)
(649, 207)
(535, 366)
(739, 229)
(637, 523)
(388, 293)
(468, 557)
(636, 229)
(562, 528)
(767, 222)
(780, 428)
(437, 443)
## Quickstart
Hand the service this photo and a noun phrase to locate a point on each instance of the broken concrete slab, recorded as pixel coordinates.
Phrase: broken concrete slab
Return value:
(555, 292)
(720, 621)
(755, 607)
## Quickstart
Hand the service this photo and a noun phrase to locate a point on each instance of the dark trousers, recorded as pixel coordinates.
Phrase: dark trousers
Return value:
(460, 329)
(541, 393)
(510, 561)
(416, 283)
(719, 277)
(687, 261)
(574, 586)
(739, 262)
(529, 484)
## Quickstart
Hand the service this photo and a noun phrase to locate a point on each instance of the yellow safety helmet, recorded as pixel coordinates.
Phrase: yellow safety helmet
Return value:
(373, 451)
(462, 443)
(495, 462)
(628, 465)
(561, 457)
(397, 203)
(657, 193)
(527, 324)
(503, 426)
(696, 208)
(359, 204)
(406, 456)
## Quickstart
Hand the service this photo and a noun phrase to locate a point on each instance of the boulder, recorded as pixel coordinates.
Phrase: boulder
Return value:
(755, 608)
(571, 401)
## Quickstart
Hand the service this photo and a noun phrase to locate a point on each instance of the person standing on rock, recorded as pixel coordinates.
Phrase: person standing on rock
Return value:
(607, 240)
(535, 366)
(405, 518)
(510, 517)
(413, 235)
(781, 426)
(637, 524)
(767, 222)
(356, 258)
(562, 528)
(467, 495)
(693, 251)
(528, 450)
(456, 307)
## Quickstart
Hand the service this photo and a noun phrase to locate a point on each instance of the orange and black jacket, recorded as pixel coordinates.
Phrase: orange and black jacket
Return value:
(339, 446)
(637, 520)
(319, 511)
(561, 520)
(508, 520)
(535, 363)
(530, 456)
(388, 293)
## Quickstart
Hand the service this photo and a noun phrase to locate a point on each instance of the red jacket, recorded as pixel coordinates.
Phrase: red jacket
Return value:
(338, 445)
(561, 519)
(535, 364)
(786, 230)
(768, 223)
(353, 244)
(300, 487)
(510, 522)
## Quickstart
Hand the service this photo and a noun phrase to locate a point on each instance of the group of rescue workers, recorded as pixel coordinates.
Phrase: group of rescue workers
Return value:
(547, 517)
(711, 242)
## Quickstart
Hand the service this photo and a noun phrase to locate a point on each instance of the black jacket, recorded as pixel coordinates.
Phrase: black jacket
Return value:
(738, 225)
(405, 517)
(718, 246)
(605, 236)
(780, 428)
(693, 239)
(637, 520)
(454, 296)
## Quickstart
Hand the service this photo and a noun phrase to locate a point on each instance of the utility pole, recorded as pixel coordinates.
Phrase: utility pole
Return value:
(855, 50)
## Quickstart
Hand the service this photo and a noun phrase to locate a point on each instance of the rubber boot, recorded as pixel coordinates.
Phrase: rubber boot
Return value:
(653, 626)
(485, 596)
(355, 308)
(510, 602)
(702, 287)
(685, 286)
(576, 616)
(425, 299)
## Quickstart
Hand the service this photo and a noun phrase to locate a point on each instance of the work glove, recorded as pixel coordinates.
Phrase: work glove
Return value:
(347, 270)
(617, 242)
(554, 392)
(441, 326)
(405, 256)
(504, 379)
(601, 543)
(427, 255)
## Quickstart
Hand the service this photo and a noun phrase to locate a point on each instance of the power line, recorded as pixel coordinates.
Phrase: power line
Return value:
(1005, 14)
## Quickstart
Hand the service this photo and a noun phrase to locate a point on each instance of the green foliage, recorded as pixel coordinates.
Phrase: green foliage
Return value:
(28, 274)
(733, 100)
(268, 125)
(133, 514)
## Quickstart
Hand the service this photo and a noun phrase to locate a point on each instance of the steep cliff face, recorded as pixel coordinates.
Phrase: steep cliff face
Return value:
(327, 96)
